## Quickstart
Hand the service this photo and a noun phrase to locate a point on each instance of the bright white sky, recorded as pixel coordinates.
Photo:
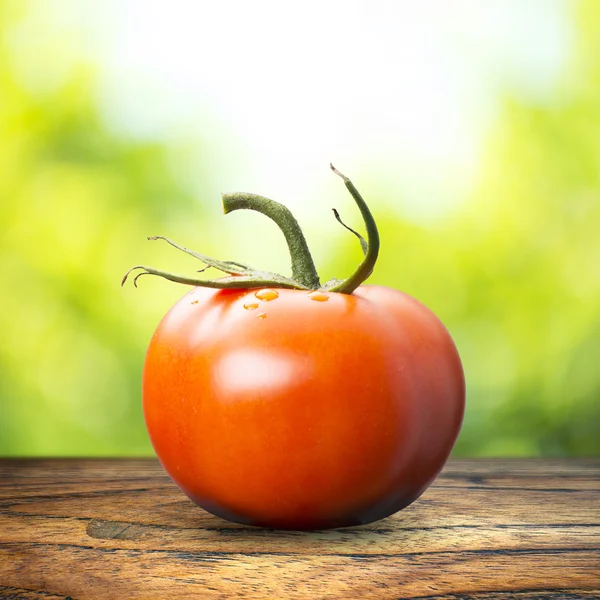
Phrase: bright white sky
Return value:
(273, 91)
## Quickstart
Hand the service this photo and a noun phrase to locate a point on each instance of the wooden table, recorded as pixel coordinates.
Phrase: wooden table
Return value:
(87, 529)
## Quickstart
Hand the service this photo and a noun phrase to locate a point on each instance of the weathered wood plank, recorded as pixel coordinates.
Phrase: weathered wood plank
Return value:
(120, 529)
(122, 573)
(127, 535)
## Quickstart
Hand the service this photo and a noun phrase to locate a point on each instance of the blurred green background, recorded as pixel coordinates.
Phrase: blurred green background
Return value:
(472, 128)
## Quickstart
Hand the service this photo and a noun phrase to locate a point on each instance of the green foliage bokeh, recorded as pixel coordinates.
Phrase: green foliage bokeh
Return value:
(514, 271)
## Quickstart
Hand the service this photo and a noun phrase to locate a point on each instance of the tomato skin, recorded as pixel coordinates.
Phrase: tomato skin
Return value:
(302, 414)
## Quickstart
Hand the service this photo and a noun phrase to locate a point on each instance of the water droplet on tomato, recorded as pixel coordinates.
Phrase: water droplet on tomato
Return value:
(261, 316)
(267, 294)
(318, 296)
(250, 305)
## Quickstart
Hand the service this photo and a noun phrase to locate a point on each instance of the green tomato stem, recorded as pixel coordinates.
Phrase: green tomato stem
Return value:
(366, 267)
(303, 267)
(226, 266)
(254, 279)
(363, 243)
(304, 273)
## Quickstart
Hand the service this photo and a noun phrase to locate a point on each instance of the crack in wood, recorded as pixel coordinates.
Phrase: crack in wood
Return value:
(375, 556)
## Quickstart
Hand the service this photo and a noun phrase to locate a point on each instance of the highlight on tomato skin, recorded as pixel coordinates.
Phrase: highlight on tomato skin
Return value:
(287, 403)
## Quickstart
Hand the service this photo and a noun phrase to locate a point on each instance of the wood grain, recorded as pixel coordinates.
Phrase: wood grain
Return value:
(110, 529)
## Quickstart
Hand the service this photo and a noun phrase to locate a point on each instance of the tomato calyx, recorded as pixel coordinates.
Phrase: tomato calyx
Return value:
(304, 273)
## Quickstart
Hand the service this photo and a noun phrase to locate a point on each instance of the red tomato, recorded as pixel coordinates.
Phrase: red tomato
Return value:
(301, 410)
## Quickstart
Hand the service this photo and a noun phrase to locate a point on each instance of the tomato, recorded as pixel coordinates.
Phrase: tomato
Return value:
(302, 414)
(286, 403)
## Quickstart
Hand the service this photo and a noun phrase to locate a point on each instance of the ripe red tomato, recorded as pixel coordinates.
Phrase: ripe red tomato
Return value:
(287, 403)
(302, 410)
